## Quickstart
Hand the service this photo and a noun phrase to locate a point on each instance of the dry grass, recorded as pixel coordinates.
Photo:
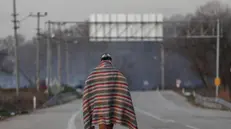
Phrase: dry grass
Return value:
(24, 102)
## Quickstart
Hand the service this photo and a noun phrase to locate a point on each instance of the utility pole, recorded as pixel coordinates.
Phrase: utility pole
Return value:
(217, 80)
(16, 47)
(59, 68)
(67, 55)
(48, 54)
(59, 55)
(67, 62)
(162, 67)
(38, 16)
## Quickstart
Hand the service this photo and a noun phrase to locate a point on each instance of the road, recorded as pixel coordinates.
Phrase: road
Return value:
(154, 110)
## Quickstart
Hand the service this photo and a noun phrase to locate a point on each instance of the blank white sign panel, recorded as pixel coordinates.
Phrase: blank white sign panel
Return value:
(126, 27)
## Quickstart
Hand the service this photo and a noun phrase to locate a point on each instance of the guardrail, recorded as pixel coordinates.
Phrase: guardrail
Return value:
(224, 103)
(208, 102)
(61, 99)
(211, 102)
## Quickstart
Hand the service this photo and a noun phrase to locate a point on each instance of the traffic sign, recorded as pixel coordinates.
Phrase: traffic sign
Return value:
(217, 81)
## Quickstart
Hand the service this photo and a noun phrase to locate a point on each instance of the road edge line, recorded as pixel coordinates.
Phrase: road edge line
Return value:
(71, 122)
(153, 116)
(192, 127)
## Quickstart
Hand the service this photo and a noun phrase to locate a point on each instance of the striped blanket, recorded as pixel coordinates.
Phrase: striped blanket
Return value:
(106, 98)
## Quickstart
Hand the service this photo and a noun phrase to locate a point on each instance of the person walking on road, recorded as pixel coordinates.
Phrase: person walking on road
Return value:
(106, 98)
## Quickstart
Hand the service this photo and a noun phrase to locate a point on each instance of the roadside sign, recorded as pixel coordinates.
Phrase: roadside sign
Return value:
(178, 82)
(146, 83)
(217, 81)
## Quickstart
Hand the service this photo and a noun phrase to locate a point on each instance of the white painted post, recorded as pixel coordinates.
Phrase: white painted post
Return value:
(194, 93)
(34, 102)
(178, 83)
(183, 90)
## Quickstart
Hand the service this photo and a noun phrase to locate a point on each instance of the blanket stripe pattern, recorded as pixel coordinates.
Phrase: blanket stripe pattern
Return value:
(106, 98)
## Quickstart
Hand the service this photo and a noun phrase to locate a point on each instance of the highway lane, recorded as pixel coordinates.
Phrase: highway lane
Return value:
(50, 118)
(154, 110)
(168, 110)
(172, 109)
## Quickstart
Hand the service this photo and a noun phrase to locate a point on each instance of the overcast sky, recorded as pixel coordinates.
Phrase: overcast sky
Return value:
(81, 9)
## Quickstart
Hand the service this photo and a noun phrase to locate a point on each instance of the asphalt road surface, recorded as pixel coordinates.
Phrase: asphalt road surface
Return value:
(154, 110)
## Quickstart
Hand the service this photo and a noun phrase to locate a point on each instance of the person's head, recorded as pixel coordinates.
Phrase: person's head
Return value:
(106, 57)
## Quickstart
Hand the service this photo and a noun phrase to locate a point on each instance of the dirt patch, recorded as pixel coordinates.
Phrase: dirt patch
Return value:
(225, 95)
(10, 104)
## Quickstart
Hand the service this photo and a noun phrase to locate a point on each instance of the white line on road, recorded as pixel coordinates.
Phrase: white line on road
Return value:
(71, 122)
(170, 121)
(192, 127)
(153, 116)
(160, 119)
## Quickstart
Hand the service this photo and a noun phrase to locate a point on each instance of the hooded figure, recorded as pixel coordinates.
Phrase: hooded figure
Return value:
(106, 98)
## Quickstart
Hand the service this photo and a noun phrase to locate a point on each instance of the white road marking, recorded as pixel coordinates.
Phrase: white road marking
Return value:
(71, 122)
(192, 127)
(170, 121)
(160, 119)
(148, 114)
(153, 116)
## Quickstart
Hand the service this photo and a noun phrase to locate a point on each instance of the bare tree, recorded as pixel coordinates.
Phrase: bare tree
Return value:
(201, 52)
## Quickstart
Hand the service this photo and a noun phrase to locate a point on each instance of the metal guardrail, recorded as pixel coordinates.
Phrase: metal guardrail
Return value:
(61, 99)
(209, 102)
(224, 103)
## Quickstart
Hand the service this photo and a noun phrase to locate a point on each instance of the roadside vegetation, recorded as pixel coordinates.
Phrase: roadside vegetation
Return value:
(201, 52)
